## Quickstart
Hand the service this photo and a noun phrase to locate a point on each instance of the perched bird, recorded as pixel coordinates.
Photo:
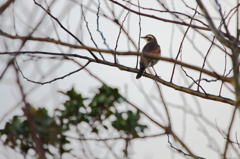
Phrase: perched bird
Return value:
(151, 47)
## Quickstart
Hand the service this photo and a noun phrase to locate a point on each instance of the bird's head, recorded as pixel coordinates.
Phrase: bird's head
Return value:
(149, 38)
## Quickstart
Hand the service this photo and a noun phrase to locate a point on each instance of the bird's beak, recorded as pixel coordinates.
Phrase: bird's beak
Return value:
(143, 37)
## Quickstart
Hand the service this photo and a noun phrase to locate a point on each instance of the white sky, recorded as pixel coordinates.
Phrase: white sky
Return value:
(169, 37)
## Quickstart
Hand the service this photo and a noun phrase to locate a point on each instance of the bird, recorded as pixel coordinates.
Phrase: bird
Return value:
(151, 47)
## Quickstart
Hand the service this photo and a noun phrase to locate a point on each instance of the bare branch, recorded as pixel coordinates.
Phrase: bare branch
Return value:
(89, 32)
(213, 74)
(60, 24)
(5, 6)
(180, 151)
(218, 34)
(158, 18)
(50, 81)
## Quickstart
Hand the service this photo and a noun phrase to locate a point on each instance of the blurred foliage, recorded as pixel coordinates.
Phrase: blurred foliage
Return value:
(127, 123)
(51, 130)
(18, 134)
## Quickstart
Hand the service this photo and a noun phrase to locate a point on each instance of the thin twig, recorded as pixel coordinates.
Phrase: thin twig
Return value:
(204, 62)
(181, 44)
(180, 151)
(202, 79)
(129, 69)
(60, 24)
(159, 18)
(50, 81)
(140, 32)
(89, 32)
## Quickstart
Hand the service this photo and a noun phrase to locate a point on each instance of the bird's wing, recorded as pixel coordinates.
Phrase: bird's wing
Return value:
(156, 50)
(152, 49)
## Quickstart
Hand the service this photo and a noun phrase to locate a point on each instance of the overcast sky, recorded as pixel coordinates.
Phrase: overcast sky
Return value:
(22, 17)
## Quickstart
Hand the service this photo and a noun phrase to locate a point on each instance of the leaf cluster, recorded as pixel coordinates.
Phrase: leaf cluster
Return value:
(99, 112)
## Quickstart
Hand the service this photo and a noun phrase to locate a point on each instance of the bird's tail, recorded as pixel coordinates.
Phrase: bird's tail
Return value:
(140, 73)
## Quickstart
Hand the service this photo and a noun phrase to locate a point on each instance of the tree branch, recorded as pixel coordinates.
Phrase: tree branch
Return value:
(129, 69)
(218, 34)
(161, 19)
